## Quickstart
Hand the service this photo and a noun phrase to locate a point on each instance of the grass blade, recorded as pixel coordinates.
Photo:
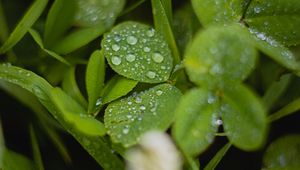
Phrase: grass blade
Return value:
(36, 150)
(286, 110)
(23, 26)
(37, 38)
(163, 25)
(217, 158)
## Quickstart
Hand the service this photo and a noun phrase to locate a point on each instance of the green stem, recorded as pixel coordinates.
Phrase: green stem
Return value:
(285, 111)
(132, 7)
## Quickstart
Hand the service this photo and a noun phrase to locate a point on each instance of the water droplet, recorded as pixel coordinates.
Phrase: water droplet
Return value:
(157, 57)
(117, 38)
(257, 10)
(115, 47)
(125, 130)
(150, 32)
(130, 57)
(147, 49)
(151, 74)
(142, 108)
(27, 74)
(159, 92)
(218, 122)
(140, 118)
(129, 103)
(211, 99)
(138, 100)
(116, 60)
(129, 116)
(99, 102)
(132, 40)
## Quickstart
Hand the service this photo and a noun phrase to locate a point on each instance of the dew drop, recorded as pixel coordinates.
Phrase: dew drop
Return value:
(130, 57)
(157, 57)
(159, 92)
(142, 108)
(150, 32)
(218, 122)
(117, 38)
(116, 60)
(147, 49)
(99, 102)
(129, 103)
(138, 100)
(115, 47)
(126, 131)
(151, 74)
(132, 40)
(257, 10)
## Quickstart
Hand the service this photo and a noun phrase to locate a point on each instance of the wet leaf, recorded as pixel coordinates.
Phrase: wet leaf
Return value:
(195, 127)
(23, 26)
(275, 19)
(127, 119)
(218, 11)
(138, 52)
(117, 87)
(244, 117)
(104, 12)
(94, 79)
(220, 54)
(283, 153)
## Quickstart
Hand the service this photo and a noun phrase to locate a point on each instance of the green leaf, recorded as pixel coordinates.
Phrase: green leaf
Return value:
(3, 25)
(212, 164)
(94, 79)
(69, 85)
(218, 11)
(117, 87)
(36, 150)
(276, 19)
(138, 52)
(56, 25)
(23, 26)
(244, 117)
(91, 13)
(77, 39)
(15, 161)
(97, 147)
(195, 127)
(286, 110)
(127, 119)
(164, 26)
(37, 38)
(220, 54)
(75, 114)
(283, 153)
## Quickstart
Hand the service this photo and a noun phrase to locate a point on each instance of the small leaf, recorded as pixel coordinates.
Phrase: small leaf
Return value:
(69, 85)
(220, 54)
(162, 21)
(37, 38)
(117, 87)
(138, 52)
(244, 117)
(15, 161)
(127, 119)
(36, 150)
(276, 19)
(23, 26)
(217, 158)
(91, 13)
(195, 127)
(284, 153)
(94, 79)
(74, 114)
(56, 25)
(218, 11)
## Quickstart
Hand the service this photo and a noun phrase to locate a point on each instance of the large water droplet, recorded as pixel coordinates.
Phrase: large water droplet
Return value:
(157, 57)
(132, 40)
(159, 92)
(130, 57)
(115, 47)
(116, 60)
(151, 74)
(117, 38)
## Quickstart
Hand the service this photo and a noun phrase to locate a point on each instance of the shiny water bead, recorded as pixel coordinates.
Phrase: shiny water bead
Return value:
(136, 52)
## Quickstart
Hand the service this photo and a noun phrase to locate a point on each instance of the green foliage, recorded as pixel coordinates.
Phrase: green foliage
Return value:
(109, 71)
